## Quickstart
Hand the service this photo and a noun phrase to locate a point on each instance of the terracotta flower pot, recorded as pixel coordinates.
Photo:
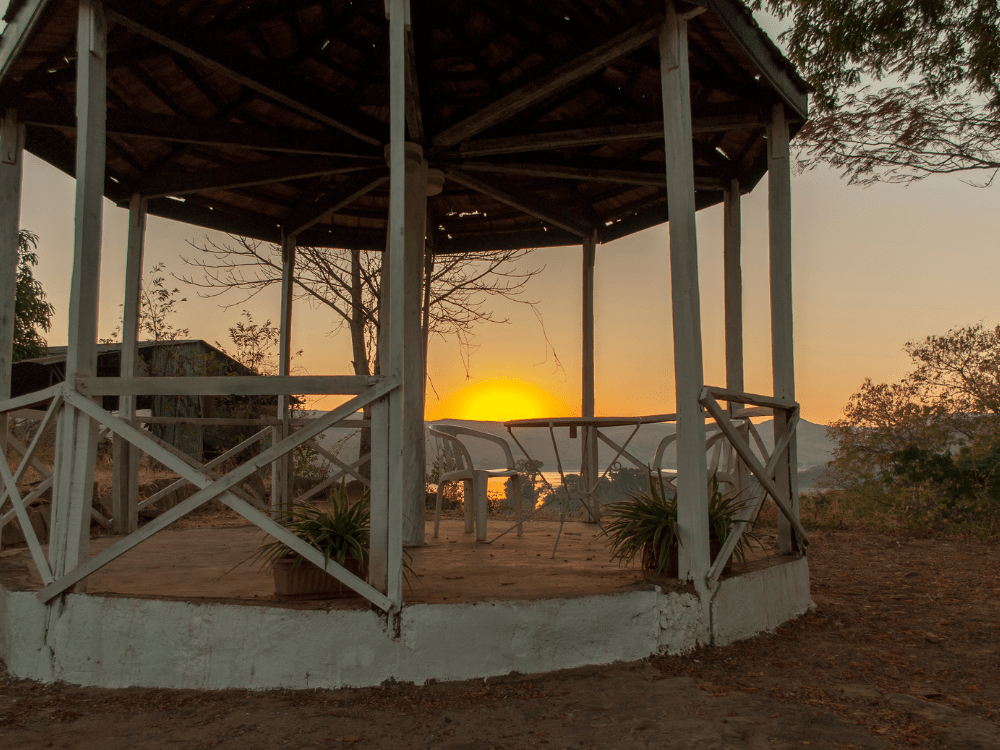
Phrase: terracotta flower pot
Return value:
(309, 581)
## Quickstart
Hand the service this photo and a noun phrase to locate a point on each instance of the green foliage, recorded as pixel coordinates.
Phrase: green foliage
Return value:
(923, 454)
(340, 533)
(158, 304)
(32, 314)
(645, 525)
(935, 102)
(254, 344)
(947, 44)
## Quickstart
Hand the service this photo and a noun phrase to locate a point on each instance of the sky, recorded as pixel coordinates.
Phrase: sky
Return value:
(873, 268)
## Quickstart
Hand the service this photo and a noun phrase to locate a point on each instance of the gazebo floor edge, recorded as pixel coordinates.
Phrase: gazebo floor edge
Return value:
(121, 641)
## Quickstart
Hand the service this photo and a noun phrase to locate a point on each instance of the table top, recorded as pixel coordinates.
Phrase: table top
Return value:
(591, 421)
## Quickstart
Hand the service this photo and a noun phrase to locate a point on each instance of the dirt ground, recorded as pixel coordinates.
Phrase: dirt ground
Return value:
(901, 652)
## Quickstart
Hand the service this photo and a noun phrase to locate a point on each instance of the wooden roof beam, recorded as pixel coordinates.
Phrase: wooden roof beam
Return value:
(555, 218)
(312, 211)
(204, 132)
(587, 174)
(215, 54)
(765, 55)
(414, 118)
(603, 134)
(17, 32)
(245, 175)
(547, 85)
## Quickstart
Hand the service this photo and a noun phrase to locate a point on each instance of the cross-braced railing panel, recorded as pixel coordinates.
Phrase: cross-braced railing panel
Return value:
(764, 473)
(234, 451)
(222, 488)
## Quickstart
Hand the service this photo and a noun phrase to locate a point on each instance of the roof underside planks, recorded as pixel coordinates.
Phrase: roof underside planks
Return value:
(254, 117)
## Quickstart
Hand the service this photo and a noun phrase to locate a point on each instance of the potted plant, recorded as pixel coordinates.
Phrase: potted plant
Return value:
(645, 525)
(341, 533)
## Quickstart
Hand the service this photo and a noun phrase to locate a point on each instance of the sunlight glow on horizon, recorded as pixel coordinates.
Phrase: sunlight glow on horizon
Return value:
(498, 400)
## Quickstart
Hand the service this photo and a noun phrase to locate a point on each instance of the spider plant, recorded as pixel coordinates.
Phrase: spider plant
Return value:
(340, 533)
(645, 525)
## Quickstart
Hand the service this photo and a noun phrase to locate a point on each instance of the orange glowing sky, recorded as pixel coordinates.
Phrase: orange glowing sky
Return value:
(498, 399)
(872, 269)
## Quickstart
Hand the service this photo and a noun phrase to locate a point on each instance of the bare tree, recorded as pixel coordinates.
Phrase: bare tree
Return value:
(457, 290)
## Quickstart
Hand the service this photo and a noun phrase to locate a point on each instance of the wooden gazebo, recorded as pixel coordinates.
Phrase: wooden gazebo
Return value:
(396, 125)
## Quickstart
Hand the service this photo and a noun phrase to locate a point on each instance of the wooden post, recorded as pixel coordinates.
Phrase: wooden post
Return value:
(414, 471)
(588, 446)
(11, 161)
(779, 204)
(76, 439)
(125, 498)
(283, 470)
(732, 238)
(692, 494)
(398, 482)
(732, 241)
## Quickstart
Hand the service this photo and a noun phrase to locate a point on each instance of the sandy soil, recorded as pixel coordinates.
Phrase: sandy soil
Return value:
(901, 652)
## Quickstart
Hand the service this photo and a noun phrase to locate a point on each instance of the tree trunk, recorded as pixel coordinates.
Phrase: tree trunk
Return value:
(360, 356)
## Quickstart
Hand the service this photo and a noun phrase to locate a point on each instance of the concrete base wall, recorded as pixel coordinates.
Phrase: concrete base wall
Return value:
(119, 642)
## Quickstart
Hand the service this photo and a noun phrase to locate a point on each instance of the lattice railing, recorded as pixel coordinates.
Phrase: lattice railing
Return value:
(225, 487)
(765, 472)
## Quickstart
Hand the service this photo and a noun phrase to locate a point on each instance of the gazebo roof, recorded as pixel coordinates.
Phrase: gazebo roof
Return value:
(249, 116)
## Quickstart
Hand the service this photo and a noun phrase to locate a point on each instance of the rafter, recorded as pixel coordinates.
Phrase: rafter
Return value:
(603, 134)
(310, 212)
(205, 132)
(653, 176)
(148, 20)
(414, 117)
(554, 217)
(258, 173)
(543, 87)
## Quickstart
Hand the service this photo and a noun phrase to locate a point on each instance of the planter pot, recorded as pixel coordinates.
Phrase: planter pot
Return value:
(714, 547)
(309, 581)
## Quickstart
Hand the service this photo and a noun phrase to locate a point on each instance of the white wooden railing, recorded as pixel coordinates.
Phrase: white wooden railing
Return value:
(366, 391)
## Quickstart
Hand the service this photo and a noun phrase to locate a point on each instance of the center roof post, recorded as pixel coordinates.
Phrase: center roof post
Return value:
(407, 187)
(76, 437)
(692, 494)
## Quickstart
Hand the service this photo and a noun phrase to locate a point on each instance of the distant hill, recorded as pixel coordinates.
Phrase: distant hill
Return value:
(814, 448)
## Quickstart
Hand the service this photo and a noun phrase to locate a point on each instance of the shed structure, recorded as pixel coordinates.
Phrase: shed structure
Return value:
(413, 127)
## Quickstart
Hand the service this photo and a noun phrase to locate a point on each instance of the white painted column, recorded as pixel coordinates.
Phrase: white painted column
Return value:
(414, 472)
(588, 446)
(76, 439)
(692, 494)
(125, 497)
(779, 187)
(732, 239)
(11, 166)
(282, 470)
(732, 242)
(396, 296)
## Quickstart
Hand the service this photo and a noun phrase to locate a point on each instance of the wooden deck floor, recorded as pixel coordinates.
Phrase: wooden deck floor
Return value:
(212, 564)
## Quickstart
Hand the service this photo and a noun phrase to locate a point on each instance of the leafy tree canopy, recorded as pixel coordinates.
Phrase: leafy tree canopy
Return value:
(32, 314)
(904, 88)
(931, 440)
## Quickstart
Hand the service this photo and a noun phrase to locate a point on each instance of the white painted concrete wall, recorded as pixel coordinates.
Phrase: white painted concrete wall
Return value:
(120, 642)
(759, 601)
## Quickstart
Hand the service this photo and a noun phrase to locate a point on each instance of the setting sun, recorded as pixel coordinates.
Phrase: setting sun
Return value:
(497, 400)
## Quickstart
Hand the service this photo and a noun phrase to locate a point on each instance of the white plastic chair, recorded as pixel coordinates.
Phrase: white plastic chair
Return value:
(722, 462)
(455, 465)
